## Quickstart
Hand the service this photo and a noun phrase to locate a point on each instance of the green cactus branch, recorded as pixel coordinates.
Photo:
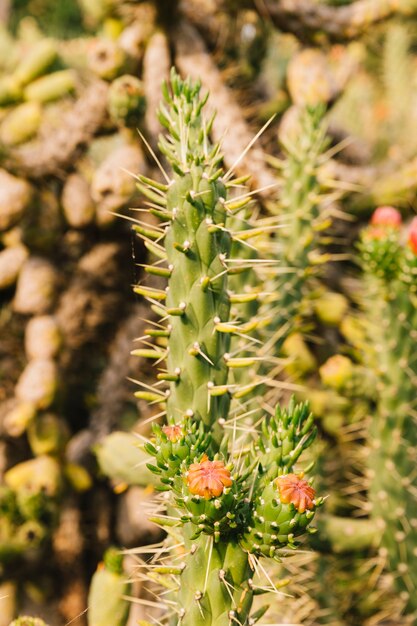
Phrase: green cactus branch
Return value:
(390, 268)
(230, 503)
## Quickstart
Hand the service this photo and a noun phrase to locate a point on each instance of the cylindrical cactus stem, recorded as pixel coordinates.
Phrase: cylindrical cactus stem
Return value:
(390, 269)
(303, 220)
(198, 293)
(107, 598)
(215, 584)
(197, 245)
(215, 492)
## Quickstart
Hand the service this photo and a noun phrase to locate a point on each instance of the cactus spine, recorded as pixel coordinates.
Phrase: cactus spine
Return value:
(231, 504)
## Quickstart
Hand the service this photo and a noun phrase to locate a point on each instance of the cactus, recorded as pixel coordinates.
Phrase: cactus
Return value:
(299, 206)
(232, 505)
(106, 600)
(389, 268)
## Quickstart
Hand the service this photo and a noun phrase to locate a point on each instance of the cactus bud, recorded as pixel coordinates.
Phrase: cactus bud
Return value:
(412, 236)
(294, 490)
(336, 371)
(386, 216)
(208, 479)
(281, 512)
(174, 433)
(126, 100)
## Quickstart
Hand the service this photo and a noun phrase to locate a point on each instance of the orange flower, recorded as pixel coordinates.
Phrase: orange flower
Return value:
(294, 490)
(174, 433)
(208, 478)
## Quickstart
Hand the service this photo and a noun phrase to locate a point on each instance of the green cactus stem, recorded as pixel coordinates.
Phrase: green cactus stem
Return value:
(51, 87)
(107, 602)
(297, 247)
(32, 65)
(390, 268)
(215, 584)
(217, 491)
(21, 124)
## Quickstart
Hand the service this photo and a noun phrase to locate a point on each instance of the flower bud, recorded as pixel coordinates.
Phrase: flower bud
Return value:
(208, 478)
(386, 216)
(412, 236)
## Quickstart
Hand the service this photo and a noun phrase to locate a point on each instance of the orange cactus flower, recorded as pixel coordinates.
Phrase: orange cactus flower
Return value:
(386, 216)
(294, 490)
(208, 478)
(174, 433)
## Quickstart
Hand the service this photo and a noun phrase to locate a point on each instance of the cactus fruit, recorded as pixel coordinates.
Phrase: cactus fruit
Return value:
(232, 505)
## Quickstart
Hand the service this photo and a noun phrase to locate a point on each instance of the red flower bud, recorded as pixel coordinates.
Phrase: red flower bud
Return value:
(412, 235)
(174, 433)
(386, 216)
(208, 478)
(294, 490)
